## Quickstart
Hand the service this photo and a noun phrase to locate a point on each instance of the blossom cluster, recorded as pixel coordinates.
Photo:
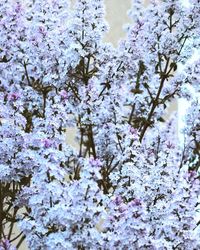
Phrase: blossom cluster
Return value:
(128, 183)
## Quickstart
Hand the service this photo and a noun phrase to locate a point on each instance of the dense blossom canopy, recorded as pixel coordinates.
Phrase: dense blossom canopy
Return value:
(129, 183)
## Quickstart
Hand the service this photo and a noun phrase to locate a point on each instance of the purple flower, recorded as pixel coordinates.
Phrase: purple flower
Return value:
(170, 145)
(111, 219)
(192, 175)
(13, 96)
(95, 162)
(47, 143)
(34, 41)
(42, 31)
(133, 131)
(6, 245)
(118, 200)
(136, 202)
(122, 208)
(136, 215)
(63, 94)
(18, 8)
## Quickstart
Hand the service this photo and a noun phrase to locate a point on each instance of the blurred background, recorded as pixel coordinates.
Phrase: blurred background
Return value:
(116, 16)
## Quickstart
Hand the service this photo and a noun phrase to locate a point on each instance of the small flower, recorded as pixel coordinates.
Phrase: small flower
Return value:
(18, 8)
(136, 214)
(122, 208)
(118, 200)
(133, 131)
(192, 175)
(136, 202)
(47, 143)
(34, 41)
(6, 245)
(151, 152)
(170, 145)
(13, 97)
(42, 31)
(63, 94)
(111, 219)
(95, 162)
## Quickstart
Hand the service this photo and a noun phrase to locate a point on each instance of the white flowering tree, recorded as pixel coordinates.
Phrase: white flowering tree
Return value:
(128, 184)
